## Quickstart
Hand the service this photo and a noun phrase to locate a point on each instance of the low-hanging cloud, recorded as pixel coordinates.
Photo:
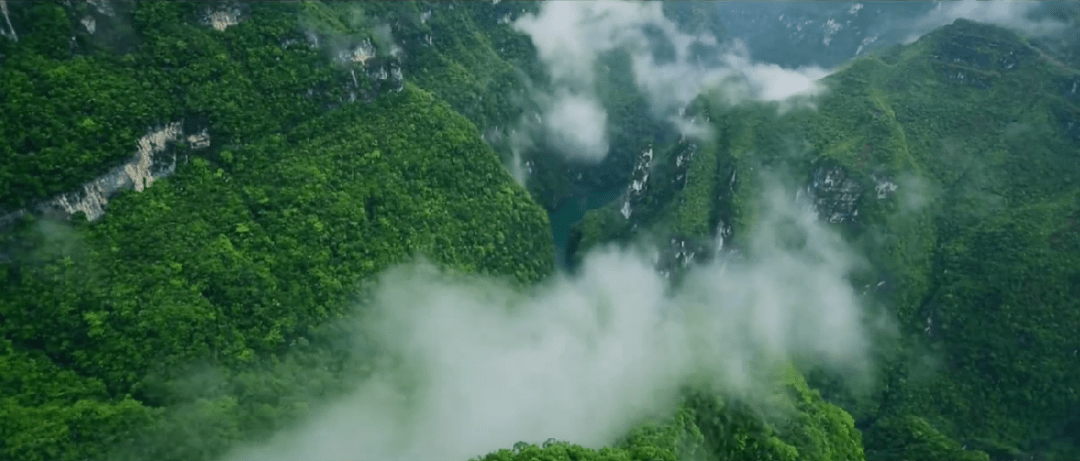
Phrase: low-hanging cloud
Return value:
(480, 365)
(1016, 15)
(571, 36)
(578, 124)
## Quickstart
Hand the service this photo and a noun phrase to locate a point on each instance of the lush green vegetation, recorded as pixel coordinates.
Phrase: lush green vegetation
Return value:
(802, 427)
(79, 107)
(977, 247)
(198, 313)
(201, 312)
(236, 263)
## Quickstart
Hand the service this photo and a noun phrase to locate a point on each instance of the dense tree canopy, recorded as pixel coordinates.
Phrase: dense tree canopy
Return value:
(228, 268)
(201, 312)
(964, 198)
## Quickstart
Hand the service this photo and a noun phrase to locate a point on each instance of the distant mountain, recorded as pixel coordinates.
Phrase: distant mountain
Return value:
(825, 34)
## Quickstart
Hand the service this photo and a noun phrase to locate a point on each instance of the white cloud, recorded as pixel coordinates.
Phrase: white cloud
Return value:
(1013, 14)
(480, 366)
(774, 83)
(570, 36)
(579, 125)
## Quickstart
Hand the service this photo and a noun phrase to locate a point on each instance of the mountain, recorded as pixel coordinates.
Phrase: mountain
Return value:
(826, 34)
(197, 195)
(207, 208)
(223, 253)
(963, 196)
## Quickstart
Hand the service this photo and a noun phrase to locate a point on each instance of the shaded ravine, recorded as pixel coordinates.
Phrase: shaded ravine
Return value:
(570, 212)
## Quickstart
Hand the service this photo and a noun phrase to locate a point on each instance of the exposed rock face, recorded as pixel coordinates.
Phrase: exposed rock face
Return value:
(833, 194)
(679, 254)
(370, 73)
(10, 31)
(683, 156)
(101, 24)
(102, 7)
(639, 182)
(884, 187)
(681, 251)
(389, 74)
(723, 210)
(153, 159)
(361, 53)
(374, 77)
(89, 23)
(220, 17)
(653, 189)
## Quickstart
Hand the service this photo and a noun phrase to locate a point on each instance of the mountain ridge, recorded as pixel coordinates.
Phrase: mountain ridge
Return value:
(925, 112)
(251, 250)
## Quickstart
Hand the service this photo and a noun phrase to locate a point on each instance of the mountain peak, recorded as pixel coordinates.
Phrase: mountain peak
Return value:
(968, 30)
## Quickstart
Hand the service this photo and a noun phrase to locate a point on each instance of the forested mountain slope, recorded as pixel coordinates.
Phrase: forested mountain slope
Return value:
(197, 200)
(953, 162)
(194, 195)
(231, 264)
(104, 72)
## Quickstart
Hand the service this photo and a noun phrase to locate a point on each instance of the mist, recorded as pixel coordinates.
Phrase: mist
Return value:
(478, 365)
(1020, 16)
(571, 36)
(475, 364)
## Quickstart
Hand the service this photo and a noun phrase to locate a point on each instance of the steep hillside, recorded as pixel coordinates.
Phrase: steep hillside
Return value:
(196, 194)
(287, 190)
(952, 161)
(84, 79)
(239, 262)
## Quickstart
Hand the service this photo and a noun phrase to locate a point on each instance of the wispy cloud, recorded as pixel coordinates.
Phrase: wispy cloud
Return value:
(571, 36)
(1012, 14)
(479, 366)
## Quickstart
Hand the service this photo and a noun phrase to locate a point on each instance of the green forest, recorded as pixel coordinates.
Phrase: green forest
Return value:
(211, 309)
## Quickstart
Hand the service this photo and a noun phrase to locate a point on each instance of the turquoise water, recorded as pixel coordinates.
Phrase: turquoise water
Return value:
(570, 212)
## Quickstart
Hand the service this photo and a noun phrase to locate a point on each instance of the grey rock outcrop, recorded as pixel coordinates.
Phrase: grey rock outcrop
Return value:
(154, 158)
